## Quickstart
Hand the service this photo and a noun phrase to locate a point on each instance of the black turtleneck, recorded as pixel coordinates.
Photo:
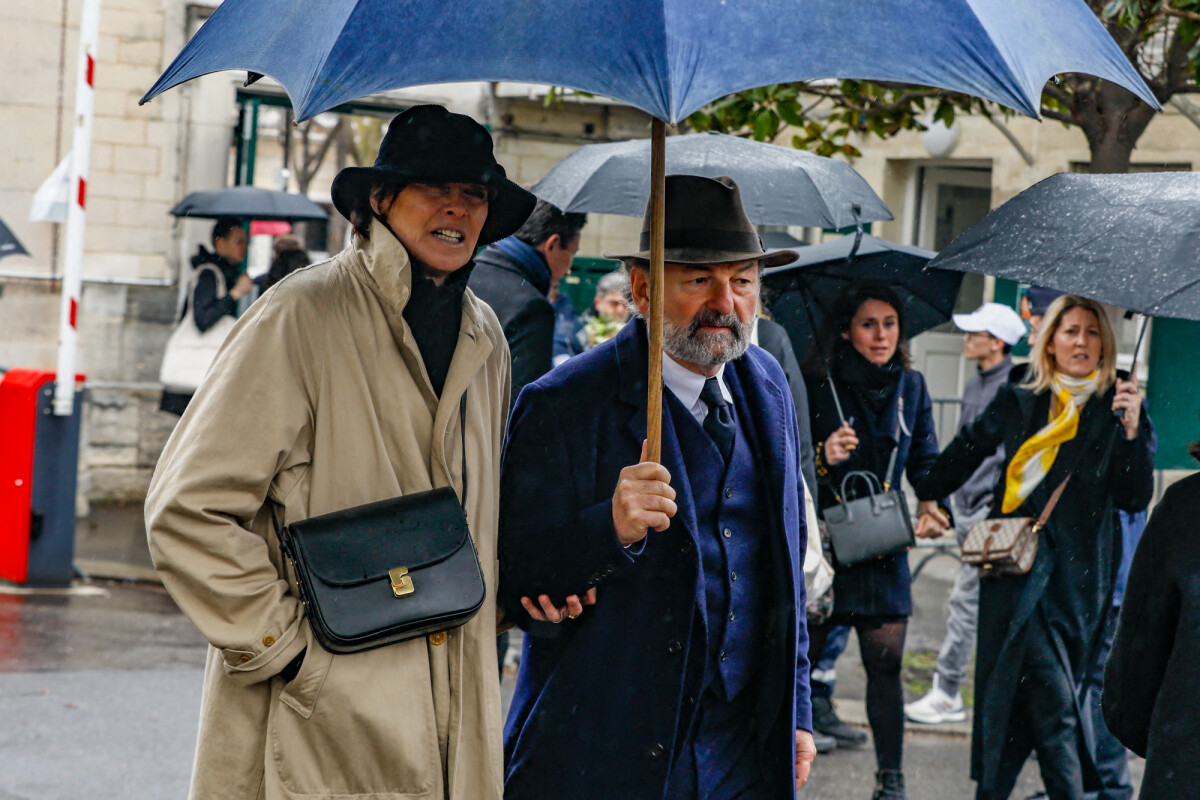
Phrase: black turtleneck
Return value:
(434, 313)
(873, 384)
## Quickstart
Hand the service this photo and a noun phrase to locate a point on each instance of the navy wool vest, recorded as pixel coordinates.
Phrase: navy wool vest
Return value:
(731, 520)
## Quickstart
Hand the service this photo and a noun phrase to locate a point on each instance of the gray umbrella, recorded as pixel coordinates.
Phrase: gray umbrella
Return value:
(249, 202)
(1129, 240)
(779, 185)
(9, 244)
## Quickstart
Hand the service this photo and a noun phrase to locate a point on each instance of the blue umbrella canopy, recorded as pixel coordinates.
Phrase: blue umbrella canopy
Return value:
(801, 294)
(666, 57)
(778, 185)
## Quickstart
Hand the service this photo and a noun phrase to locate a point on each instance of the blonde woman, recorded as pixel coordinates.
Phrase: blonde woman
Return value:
(1072, 415)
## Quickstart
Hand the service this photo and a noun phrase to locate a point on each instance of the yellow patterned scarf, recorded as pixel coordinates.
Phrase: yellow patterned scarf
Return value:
(1036, 455)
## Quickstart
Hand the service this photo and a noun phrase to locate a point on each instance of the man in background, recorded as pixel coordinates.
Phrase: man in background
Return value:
(514, 276)
(990, 333)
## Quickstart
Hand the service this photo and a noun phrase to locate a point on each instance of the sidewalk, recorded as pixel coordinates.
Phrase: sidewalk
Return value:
(98, 680)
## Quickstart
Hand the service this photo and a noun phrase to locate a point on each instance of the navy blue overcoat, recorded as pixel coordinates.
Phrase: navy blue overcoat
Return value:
(601, 700)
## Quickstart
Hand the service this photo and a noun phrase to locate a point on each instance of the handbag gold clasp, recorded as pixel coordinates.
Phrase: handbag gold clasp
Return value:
(402, 584)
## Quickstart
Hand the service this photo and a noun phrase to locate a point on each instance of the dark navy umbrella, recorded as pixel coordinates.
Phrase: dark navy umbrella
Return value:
(249, 202)
(9, 244)
(666, 57)
(779, 185)
(802, 293)
(1129, 240)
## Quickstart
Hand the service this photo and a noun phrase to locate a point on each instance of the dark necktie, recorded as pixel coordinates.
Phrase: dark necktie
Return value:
(719, 422)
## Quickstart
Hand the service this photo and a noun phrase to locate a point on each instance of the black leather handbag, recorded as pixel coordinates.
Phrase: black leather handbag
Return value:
(387, 571)
(871, 526)
(875, 525)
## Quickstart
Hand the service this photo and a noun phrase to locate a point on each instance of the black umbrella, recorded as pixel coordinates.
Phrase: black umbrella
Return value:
(249, 202)
(1132, 241)
(779, 185)
(802, 293)
(9, 244)
(1129, 240)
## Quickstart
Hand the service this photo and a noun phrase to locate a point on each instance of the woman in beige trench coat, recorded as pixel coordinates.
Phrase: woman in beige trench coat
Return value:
(341, 386)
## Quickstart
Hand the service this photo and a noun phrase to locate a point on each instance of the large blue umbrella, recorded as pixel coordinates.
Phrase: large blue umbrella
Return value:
(667, 57)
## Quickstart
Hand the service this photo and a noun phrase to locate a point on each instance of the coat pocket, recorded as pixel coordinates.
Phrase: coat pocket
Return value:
(300, 693)
(372, 732)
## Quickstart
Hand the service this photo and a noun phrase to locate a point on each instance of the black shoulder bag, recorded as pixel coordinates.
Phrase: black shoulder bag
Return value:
(388, 571)
(876, 525)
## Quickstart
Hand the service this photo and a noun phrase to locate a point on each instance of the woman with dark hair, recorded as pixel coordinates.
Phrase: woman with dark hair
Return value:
(1039, 631)
(285, 263)
(1150, 681)
(862, 367)
(371, 375)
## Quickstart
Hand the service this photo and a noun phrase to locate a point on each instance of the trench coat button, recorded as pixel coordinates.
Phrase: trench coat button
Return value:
(733, 575)
(657, 750)
(688, 700)
(674, 647)
(244, 659)
(732, 616)
(437, 638)
(729, 492)
(268, 640)
(722, 655)
(727, 533)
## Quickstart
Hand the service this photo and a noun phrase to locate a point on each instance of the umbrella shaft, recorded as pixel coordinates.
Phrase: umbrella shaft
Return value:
(658, 207)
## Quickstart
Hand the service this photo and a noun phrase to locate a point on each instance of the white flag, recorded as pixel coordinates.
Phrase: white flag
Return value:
(50, 200)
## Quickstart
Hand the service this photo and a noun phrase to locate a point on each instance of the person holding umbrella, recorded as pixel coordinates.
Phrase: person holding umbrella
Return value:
(865, 374)
(690, 678)
(216, 286)
(345, 385)
(1038, 631)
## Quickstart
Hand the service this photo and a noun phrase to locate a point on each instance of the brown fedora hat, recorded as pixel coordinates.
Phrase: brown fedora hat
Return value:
(706, 224)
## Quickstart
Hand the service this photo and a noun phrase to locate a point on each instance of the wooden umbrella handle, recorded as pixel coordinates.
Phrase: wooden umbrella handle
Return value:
(658, 207)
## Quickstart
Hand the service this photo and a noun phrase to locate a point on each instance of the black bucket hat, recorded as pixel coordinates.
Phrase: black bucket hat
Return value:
(706, 224)
(428, 144)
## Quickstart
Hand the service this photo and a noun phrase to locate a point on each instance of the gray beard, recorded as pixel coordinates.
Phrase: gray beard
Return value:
(706, 349)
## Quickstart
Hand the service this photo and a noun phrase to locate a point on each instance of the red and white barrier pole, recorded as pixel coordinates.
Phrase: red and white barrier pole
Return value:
(81, 151)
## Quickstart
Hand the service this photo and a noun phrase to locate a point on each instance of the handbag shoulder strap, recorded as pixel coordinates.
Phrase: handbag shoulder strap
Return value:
(462, 415)
(1052, 502)
(900, 426)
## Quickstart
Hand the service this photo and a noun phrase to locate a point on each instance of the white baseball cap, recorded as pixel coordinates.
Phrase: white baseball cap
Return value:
(998, 320)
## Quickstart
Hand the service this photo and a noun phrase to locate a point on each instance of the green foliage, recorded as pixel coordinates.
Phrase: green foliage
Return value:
(826, 114)
(1161, 38)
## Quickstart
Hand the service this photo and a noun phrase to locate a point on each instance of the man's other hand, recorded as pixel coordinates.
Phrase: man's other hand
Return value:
(552, 613)
(806, 751)
(642, 500)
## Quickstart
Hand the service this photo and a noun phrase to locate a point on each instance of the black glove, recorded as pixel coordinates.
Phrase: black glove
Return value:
(290, 672)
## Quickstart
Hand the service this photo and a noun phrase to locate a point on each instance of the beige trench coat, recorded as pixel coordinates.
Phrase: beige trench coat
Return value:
(319, 401)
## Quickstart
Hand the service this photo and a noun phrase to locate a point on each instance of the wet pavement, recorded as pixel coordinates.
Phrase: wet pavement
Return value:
(100, 687)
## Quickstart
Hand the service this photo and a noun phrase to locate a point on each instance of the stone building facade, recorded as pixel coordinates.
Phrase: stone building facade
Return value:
(145, 158)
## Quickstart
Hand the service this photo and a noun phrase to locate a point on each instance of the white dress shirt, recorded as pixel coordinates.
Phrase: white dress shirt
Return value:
(687, 385)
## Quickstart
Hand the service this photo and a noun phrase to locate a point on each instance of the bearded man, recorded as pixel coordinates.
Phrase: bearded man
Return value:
(688, 678)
